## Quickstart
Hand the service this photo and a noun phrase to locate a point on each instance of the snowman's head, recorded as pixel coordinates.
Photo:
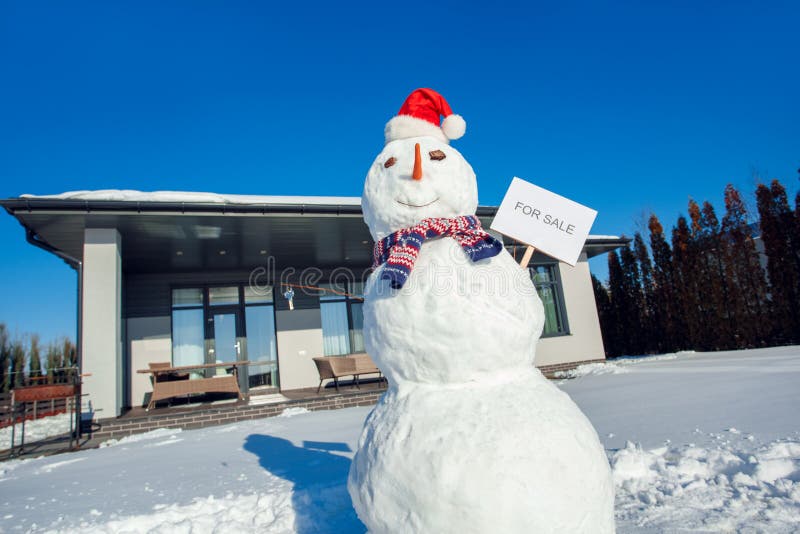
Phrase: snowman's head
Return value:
(396, 196)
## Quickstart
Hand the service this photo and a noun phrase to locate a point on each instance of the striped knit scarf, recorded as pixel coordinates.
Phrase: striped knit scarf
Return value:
(400, 250)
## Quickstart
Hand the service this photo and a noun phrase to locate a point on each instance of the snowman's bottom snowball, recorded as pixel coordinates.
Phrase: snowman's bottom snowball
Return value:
(515, 457)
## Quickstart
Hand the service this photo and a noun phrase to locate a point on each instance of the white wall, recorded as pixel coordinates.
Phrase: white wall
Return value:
(102, 321)
(149, 340)
(585, 341)
(299, 339)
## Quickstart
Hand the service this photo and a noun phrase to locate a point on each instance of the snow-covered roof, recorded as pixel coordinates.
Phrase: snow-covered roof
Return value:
(131, 195)
(194, 197)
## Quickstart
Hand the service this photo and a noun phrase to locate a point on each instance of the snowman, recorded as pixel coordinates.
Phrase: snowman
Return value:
(469, 437)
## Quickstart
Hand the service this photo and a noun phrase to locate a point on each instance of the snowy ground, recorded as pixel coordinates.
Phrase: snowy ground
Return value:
(698, 442)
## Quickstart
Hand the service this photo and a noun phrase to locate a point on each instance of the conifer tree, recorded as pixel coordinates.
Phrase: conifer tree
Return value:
(619, 309)
(698, 254)
(797, 222)
(633, 303)
(777, 229)
(69, 353)
(17, 363)
(747, 295)
(786, 218)
(5, 359)
(709, 291)
(35, 357)
(793, 222)
(603, 311)
(54, 363)
(712, 250)
(665, 289)
(652, 326)
(687, 287)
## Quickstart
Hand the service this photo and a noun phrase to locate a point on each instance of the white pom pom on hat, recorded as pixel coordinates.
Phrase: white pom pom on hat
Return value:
(420, 114)
(454, 126)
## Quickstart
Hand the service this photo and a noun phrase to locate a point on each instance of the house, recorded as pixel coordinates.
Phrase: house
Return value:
(193, 278)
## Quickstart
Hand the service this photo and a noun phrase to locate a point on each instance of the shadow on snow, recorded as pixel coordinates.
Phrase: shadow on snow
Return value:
(319, 496)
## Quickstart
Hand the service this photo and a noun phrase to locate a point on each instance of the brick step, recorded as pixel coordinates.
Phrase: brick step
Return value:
(119, 428)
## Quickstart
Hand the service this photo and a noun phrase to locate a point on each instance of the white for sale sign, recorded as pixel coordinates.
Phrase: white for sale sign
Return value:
(552, 224)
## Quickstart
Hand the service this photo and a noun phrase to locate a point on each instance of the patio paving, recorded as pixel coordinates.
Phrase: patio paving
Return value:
(216, 409)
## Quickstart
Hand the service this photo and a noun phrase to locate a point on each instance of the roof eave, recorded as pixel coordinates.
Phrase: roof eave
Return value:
(12, 205)
(593, 246)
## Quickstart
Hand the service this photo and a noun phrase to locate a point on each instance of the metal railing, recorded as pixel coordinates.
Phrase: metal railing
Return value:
(57, 392)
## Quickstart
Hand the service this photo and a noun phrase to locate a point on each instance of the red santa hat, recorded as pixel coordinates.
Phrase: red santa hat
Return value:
(419, 116)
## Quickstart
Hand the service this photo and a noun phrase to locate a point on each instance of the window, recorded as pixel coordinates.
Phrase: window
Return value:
(226, 323)
(220, 296)
(548, 284)
(187, 327)
(342, 321)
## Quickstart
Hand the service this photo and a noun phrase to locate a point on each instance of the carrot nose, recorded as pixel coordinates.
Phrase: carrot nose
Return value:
(417, 175)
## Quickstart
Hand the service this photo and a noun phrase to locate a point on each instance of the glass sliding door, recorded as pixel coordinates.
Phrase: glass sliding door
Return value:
(227, 333)
(220, 324)
(261, 342)
(188, 339)
(226, 330)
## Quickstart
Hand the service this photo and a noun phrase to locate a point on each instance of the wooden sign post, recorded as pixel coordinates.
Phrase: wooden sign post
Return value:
(526, 258)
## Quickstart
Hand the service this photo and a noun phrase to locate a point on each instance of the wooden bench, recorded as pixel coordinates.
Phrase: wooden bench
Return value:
(171, 381)
(335, 367)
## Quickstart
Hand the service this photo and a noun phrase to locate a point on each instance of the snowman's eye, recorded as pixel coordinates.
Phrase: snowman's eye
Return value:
(390, 162)
(437, 155)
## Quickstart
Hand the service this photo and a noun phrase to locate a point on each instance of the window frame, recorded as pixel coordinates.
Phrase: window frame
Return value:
(208, 308)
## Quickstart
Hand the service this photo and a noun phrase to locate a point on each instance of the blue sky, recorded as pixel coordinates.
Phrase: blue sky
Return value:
(625, 107)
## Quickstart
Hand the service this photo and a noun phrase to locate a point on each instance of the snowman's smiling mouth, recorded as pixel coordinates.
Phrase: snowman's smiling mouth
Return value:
(417, 205)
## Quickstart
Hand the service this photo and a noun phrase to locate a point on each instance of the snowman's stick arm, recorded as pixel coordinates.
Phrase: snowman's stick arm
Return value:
(526, 258)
